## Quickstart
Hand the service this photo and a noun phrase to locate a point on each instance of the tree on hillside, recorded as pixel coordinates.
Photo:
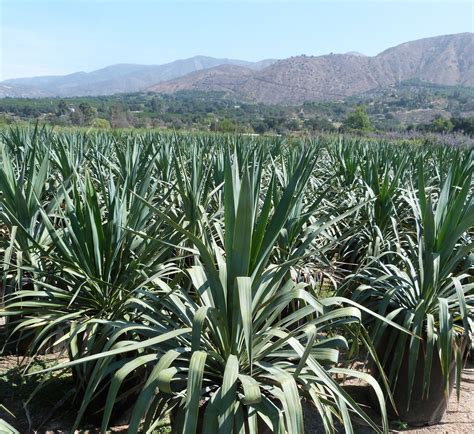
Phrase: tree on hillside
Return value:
(62, 108)
(463, 125)
(88, 113)
(118, 117)
(259, 127)
(224, 126)
(318, 124)
(358, 120)
(441, 125)
(155, 105)
(100, 123)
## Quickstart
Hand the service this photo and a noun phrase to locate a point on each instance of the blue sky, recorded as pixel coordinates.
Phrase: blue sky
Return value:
(61, 36)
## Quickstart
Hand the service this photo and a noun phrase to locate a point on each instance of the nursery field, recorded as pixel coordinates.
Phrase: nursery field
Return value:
(195, 283)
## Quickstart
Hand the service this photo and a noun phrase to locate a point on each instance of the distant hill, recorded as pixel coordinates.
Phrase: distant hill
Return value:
(20, 91)
(447, 60)
(223, 78)
(121, 78)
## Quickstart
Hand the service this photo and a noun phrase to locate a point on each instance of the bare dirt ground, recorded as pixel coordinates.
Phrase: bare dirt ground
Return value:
(46, 413)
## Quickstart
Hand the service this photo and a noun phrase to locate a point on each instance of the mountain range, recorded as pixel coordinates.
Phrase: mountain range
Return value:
(447, 60)
(121, 78)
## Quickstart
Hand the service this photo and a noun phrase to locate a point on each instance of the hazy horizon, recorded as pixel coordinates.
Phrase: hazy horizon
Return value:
(55, 37)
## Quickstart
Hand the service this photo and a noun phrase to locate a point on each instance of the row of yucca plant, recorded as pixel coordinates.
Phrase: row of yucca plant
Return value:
(425, 285)
(184, 274)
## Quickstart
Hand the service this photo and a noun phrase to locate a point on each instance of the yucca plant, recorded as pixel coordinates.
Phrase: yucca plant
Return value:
(428, 292)
(194, 185)
(26, 186)
(68, 152)
(23, 187)
(96, 267)
(219, 354)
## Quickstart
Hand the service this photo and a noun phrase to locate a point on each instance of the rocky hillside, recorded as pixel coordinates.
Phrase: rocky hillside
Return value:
(20, 91)
(122, 78)
(447, 60)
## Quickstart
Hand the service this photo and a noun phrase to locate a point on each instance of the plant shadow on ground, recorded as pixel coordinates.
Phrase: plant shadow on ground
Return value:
(50, 396)
(39, 403)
